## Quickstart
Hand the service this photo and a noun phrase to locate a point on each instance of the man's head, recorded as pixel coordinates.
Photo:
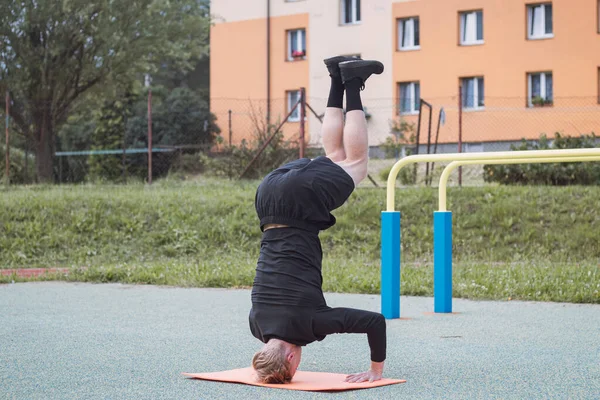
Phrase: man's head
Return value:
(277, 361)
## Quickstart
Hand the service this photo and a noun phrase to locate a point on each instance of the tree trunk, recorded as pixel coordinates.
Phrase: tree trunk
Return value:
(45, 150)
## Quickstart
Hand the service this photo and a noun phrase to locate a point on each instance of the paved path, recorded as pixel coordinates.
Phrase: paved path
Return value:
(69, 341)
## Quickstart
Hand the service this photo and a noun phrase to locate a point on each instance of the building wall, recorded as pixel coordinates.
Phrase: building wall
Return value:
(573, 56)
(372, 39)
(242, 10)
(240, 28)
(287, 75)
(239, 66)
(239, 76)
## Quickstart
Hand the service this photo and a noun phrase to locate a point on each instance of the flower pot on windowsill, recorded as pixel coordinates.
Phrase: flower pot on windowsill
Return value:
(298, 55)
(540, 102)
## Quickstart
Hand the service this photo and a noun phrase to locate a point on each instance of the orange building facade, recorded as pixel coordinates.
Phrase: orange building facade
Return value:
(518, 68)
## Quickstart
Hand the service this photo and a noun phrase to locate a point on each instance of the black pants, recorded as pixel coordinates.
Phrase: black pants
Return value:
(303, 193)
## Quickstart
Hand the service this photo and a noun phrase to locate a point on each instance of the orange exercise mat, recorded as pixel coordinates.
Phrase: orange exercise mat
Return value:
(303, 380)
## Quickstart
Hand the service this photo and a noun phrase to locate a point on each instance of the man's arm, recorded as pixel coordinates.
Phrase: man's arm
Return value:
(349, 320)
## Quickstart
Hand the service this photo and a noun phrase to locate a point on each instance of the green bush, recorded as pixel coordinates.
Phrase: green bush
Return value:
(233, 161)
(406, 175)
(180, 117)
(110, 124)
(18, 173)
(189, 164)
(403, 134)
(559, 174)
(391, 148)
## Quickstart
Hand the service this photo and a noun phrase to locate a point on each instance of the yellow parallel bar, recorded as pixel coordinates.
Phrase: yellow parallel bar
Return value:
(507, 155)
(455, 164)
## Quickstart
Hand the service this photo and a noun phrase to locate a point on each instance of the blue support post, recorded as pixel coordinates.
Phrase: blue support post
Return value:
(390, 264)
(442, 261)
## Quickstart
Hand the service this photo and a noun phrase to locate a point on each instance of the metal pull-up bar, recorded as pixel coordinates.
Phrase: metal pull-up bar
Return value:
(442, 248)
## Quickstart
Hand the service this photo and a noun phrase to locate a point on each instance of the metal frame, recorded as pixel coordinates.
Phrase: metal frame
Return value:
(390, 220)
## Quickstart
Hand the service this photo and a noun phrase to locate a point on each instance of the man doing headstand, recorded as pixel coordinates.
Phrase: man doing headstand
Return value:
(294, 203)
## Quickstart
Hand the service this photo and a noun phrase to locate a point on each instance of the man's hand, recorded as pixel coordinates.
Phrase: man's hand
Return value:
(372, 375)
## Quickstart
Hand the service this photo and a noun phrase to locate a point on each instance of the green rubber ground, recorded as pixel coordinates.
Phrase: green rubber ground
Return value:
(81, 341)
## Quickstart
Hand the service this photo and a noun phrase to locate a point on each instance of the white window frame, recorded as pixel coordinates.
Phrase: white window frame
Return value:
(356, 15)
(543, 93)
(530, 14)
(411, 87)
(292, 97)
(476, 88)
(465, 16)
(408, 22)
(299, 43)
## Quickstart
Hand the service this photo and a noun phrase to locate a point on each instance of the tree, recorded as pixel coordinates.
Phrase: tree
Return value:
(53, 52)
(180, 118)
(110, 128)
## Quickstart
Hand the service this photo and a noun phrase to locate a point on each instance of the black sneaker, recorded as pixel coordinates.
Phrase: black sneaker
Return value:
(359, 69)
(333, 64)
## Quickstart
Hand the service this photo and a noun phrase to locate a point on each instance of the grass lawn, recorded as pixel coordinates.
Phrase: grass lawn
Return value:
(531, 243)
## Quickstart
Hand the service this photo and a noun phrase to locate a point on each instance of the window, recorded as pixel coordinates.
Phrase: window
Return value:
(472, 93)
(410, 97)
(539, 21)
(350, 12)
(540, 89)
(408, 34)
(296, 44)
(471, 28)
(293, 96)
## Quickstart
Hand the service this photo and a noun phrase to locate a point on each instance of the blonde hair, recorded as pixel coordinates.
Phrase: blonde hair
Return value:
(271, 365)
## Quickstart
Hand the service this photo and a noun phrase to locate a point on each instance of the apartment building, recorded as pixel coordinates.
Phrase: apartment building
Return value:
(517, 68)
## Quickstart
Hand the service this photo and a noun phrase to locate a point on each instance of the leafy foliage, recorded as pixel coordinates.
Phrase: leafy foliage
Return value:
(179, 117)
(18, 172)
(406, 175)
(55, 52)
(234, 160)
(559, 174)
(188, 164)
(403, 134)
(110, 133)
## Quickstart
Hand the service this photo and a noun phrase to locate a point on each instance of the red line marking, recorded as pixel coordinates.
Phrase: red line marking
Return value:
(33, 272)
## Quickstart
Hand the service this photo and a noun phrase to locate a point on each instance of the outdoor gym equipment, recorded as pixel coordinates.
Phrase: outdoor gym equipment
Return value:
(442, 236)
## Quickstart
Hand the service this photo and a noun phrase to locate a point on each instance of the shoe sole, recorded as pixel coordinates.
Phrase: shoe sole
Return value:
(348, 65)
(339, 59)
